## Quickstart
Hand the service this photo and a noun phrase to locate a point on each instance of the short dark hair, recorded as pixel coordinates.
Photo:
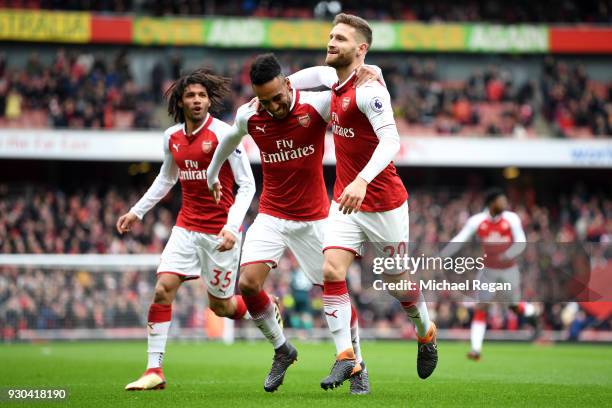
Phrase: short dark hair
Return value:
(264, 69)
(217, 88)
(358, 23)
(492, 194)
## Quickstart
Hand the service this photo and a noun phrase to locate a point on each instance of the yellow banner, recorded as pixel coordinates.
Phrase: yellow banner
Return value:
(435, 37)
(171, 31)
(298, 34)
(22, 25)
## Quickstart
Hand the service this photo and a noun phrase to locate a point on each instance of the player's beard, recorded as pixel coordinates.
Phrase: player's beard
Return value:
(196, 117)
(282, 114)
(340, 60)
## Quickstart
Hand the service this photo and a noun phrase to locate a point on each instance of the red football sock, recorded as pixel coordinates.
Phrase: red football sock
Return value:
(241, 308)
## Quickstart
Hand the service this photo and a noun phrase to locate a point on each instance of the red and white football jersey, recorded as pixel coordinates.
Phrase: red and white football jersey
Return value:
(186, 159)
(496, 235)
(356, 115)
(291, 151)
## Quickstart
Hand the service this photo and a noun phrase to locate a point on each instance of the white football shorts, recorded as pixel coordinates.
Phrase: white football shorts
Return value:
(351, 231)
(191, 254)
(268, 237)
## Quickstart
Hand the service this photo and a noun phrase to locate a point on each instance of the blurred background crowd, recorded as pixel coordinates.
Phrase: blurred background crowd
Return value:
(43, 220)
(50, 206)
(85, 90)
(522, 11)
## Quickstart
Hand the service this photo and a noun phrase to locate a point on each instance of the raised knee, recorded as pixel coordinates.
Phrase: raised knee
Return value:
(249, 286)
(331, 271)
(162, 294)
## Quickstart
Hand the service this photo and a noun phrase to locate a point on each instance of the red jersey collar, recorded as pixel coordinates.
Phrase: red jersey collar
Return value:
(295, 97)
(204, 125)
(339, 87)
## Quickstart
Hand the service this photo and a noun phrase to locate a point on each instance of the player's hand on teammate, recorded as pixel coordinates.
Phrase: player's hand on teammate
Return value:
(254, 103)
(216, 192)
(365, 74)
(124, 223)
(351, 198)
(228, 240)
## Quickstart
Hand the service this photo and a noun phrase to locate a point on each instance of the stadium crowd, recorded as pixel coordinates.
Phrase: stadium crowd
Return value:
(98, 91)
(591, 11)
(39, 220)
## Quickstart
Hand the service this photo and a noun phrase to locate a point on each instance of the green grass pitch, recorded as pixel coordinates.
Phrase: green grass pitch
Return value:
(216, 375)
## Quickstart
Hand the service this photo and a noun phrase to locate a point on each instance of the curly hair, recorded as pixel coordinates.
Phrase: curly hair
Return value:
(217, 87)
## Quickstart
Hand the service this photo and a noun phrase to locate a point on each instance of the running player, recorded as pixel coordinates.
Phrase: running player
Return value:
(290, 134)
(206, 238)
(370, 200)
(503, 240)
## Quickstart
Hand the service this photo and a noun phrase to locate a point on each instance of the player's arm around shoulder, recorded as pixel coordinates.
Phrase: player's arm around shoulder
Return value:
(320, 101)
(369, 73)
(325, 76)
(313, 77)
(163, 183)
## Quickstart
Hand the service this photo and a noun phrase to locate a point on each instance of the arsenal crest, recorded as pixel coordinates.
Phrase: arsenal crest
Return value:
(206, 146)
(304, 120)
(345, 103)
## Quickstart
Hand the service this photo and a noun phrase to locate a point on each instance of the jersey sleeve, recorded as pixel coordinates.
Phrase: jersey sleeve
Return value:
(163, 183)
(465, 235)
(374, 101)
(314, 77)
(469, 229)
(227, 145)
(243, 175)
(518, 236)
(321, 101)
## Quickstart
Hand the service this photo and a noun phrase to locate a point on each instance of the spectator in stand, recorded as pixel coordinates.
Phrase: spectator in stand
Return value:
(572, 102)
(596, 11)
(51, 221)
(508, 125)
(83, 90)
